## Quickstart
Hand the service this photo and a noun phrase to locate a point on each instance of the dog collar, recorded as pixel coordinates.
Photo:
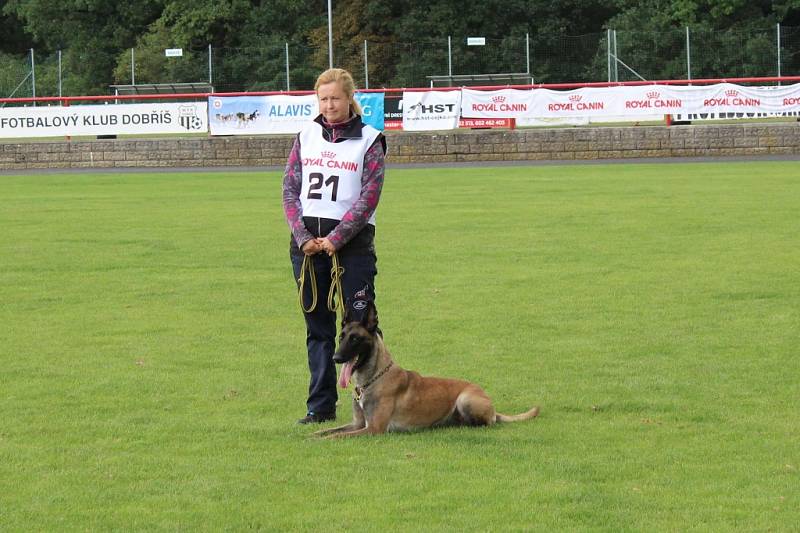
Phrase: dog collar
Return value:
(358, 392)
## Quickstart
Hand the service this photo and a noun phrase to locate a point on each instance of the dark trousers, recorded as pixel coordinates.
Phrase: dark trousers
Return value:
(359, 272)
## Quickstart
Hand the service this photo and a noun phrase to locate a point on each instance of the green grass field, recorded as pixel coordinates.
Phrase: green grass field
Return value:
(153, 359)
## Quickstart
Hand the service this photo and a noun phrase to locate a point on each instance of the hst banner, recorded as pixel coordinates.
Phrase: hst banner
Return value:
(112, 119)
(431, 110)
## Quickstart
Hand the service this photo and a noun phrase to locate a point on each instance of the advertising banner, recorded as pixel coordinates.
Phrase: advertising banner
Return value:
(486, 123)
(431, 110)
(505, 103)
(586, 102)
(393, 111)
(649, 100)
(372, 109)
(112, 119)
(730, 98)
(252, 115)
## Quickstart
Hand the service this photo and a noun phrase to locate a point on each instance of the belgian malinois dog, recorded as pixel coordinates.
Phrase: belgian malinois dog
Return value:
(388, 398)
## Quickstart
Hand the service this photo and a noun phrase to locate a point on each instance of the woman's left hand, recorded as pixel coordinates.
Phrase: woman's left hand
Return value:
(327, 246)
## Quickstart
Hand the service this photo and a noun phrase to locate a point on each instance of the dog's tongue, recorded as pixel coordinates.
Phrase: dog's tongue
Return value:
(344, 375)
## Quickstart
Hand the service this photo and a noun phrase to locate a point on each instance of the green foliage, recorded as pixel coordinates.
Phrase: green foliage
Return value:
(91, 32)
(407, 39)
(13, 76)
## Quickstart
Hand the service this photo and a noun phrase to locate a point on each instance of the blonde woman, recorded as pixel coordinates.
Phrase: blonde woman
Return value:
(331, 188)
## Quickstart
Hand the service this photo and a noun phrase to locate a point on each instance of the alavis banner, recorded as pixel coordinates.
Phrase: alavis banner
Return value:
(117, 119)
(505, 103)
(251, 115)
(431, 110)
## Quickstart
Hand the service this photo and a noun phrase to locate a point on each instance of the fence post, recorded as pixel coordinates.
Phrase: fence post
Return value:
(210, 68)
(608, 50)
(366, 66)
(33, 77)
(616, 58)
(688, 56)
(528, 54)
(286, 43)
(779, 50)
(133, 68)
(59, 73)
(330, 35)
(449, 59)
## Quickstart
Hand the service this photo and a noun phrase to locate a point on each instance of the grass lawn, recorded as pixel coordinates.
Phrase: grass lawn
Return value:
(153, 364)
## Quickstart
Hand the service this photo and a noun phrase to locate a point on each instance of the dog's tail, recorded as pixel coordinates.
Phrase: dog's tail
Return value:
(516, 418)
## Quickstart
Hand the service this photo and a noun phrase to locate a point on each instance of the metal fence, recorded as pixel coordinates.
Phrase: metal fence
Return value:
(608, 56)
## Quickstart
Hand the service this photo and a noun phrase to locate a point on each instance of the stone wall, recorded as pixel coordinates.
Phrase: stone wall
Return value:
(405, 147)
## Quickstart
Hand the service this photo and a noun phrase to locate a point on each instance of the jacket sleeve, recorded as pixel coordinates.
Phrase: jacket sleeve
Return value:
(292, 184)
(359, 214)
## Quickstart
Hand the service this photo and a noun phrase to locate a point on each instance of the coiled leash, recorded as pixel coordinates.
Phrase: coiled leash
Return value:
(335, 295)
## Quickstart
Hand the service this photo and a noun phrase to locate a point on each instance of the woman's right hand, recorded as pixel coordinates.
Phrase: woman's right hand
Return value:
(312, 247)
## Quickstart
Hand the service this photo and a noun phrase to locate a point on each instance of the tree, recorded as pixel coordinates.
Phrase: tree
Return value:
(91, 32)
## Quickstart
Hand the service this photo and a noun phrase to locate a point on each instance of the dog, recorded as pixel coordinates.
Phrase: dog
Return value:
(389, 398)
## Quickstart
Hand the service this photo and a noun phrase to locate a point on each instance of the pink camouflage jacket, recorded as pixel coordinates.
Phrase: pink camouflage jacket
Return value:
(350, 231)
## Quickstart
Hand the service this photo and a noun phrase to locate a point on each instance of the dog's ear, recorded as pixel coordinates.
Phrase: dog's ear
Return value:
(370, 320)
(348, 315)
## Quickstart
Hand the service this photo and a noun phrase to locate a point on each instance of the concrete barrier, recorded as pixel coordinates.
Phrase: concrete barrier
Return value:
(422, 147)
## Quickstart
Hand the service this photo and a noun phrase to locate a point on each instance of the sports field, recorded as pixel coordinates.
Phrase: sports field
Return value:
(152, 359)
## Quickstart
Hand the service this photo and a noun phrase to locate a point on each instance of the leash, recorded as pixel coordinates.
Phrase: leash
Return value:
(358, 392)
(302, 281)
(307, 270)
(336, 304)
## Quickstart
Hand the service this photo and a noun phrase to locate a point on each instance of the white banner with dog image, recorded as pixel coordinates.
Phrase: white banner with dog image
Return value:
(431, 110)
(112, 119)
(255, 115)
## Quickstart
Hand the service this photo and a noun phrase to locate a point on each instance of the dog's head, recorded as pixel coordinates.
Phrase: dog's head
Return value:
(359, 329)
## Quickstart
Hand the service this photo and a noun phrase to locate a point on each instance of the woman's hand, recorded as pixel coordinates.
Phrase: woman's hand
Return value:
(312, 247)
(327, 246)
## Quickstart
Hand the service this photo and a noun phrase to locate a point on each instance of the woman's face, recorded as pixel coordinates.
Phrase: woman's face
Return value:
(333, 102)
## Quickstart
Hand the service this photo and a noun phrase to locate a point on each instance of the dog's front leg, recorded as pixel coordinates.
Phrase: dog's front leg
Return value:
(327, 432)
(354, 433)
(357, 423)
(374, 424)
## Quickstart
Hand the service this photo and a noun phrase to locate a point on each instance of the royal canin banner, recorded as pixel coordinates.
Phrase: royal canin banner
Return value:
(112, 119)
(730, 98)
(584, 102)
(633, 101)
(505, 103)
(431, 110)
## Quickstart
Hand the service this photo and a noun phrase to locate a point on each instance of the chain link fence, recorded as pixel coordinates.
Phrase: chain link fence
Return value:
(276, 66)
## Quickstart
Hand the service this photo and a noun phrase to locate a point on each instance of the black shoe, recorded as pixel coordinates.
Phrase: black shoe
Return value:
(317, 418)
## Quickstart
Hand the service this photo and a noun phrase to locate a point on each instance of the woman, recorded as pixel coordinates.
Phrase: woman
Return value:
(331, 189)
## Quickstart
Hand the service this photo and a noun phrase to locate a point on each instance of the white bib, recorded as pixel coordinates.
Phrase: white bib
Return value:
(332, 172)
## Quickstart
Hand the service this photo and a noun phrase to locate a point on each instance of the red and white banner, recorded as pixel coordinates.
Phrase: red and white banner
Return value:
(584, 102)
(486, 123)
(633, 101)
(505, 103)
(730, 98)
